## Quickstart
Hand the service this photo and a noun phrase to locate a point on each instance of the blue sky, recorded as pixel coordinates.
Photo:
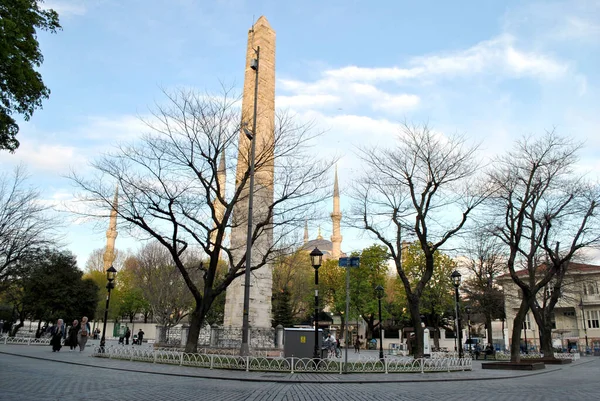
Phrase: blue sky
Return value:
(492, 70)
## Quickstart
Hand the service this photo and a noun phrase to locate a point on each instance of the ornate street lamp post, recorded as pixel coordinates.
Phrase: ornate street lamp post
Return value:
(584, 325)
(111, 273)
(456, 276)
(316, 257)
(468, 310)
(379, 294)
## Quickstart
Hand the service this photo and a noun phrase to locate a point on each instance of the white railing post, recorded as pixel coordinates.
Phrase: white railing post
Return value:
(29, 341)
(341, 366)
(211, 360)
(181, 359)
(422, 365)
(154, 357)
(292, 367)
(448, 360)
(247, 363)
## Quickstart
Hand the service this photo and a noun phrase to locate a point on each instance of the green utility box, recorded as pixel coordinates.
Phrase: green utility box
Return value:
(300, 343)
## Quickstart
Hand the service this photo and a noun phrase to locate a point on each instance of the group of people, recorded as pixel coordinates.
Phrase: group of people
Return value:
(74, 336)
(137, 339)
(488, 350)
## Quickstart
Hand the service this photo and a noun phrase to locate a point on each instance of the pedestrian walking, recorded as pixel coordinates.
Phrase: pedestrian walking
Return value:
(72, 336)
(357, 345)
(140, 336)
(83, 333)
(57, 333)
(127, 335)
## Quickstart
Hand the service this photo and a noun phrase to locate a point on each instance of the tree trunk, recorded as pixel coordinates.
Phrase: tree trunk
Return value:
(546, 340)
(544, 323)
(490, 332)
(436, 337)
(196, 321)
(515, 346)
(413, 305)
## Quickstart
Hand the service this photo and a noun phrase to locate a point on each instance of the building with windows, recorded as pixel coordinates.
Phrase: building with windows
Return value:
(576, 320)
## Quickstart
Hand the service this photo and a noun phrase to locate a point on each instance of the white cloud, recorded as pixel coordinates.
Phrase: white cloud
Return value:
(46, 157)
(328, 92)
(498, 55)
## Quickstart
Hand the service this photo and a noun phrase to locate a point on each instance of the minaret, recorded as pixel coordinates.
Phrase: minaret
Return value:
(217, 204)
(261, 37)
(336, 217)
(111, 233)
(305, 231)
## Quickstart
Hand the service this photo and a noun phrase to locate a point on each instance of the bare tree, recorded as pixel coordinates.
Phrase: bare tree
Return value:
(485, 261)
(161, 284)
(26, 223)
(538, 204)
(170, 188)
(422, 186)
(95, 262)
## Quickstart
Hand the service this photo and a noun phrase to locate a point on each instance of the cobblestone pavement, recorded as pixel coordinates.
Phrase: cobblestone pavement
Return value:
(25, 378)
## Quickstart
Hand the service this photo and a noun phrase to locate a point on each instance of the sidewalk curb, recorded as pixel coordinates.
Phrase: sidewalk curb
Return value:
(298, 378)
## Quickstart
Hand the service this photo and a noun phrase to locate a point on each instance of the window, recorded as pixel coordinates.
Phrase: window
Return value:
(591, 289)
(527, 323)
(569, 313)
(593, 319)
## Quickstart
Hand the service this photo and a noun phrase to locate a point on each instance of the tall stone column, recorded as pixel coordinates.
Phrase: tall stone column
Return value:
(263, 36)
(336, 218)
(111, 234)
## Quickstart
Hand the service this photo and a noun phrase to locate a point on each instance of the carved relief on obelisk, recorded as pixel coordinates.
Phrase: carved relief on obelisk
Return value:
(263, 36)
(111, 234)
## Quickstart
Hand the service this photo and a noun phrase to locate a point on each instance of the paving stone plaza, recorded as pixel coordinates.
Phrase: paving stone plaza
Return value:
(35, 373)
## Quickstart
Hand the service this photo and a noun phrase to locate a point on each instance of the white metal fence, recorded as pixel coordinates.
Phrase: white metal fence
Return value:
(505, 356)
(281, 364)
(24, 340)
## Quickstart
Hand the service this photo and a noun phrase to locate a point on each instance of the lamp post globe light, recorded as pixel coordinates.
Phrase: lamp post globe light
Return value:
(316, 258)
(584, 325)
(251, 135)
(456, 277)
(379, 295)
(111, 273)
(468, 310)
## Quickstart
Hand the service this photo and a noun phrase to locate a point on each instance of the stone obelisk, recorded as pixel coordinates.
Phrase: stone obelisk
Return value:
(259, 314)
(336, 217)
(111, 234)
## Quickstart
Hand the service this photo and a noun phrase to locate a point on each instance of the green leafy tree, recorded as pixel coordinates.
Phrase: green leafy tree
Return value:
(437, 301)
(22, 86)
(282, 310)
(363, 280)
(55, 289)
(294, 275)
